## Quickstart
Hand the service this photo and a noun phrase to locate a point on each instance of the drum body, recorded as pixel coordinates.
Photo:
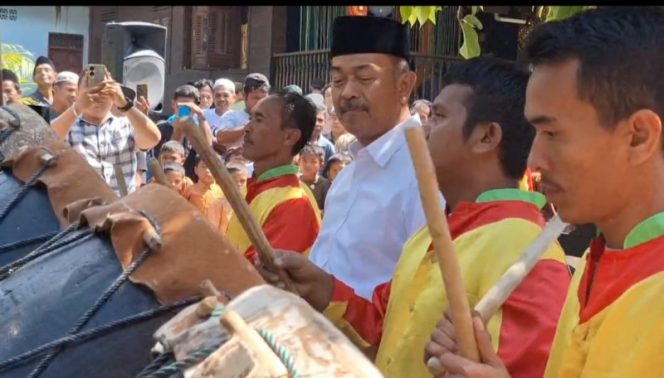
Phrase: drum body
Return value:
(32, 216)
(44, 299)
(297, 338)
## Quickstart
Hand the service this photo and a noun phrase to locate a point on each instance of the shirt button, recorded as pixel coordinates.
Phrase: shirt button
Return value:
(412, 308)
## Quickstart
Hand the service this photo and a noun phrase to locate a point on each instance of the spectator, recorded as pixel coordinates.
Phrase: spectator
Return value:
(205, 191)
(224, 96)
(280, 126)
(240, 176)
(170, 129)
(317, 137)
(172, 152)
(311, 163)
(103, 139)
(11, 87)
(335, 126)
(334, 165)
(44, 76)
(239, 96)
(205, 91)
(176, 177)
(329, 106)
(231, 129)
(65, 90)
(316, 86)
(423, 108)
(235, 156)
(292, 89)
(344, 142)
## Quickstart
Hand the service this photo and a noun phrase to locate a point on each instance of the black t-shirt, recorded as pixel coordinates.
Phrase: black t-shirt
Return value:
(319, 188)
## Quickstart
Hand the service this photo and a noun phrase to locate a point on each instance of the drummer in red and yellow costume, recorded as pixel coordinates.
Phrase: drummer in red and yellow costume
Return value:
(596, 99)
(280, 126)
(479, 142)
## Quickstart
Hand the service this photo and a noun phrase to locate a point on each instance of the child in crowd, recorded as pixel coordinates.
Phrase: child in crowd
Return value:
(176, 177)
(311, 162)
(203, 193)
(334, 165)
(172, 152)
(240, 175)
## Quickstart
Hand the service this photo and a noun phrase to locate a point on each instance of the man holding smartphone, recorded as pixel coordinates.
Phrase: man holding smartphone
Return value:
(103, 139)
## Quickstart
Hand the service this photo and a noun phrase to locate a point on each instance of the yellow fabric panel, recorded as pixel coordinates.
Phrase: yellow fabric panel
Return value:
(626, 339)
(417, 298)
(261, 207)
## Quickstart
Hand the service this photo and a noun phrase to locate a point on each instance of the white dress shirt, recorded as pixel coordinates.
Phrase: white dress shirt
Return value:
(371, 210)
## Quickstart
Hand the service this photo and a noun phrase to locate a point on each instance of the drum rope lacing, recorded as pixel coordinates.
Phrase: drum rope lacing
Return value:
(199, 355)
(51, 245)
(23, 191)
(95, 332)
(9, 247)
(43, 364)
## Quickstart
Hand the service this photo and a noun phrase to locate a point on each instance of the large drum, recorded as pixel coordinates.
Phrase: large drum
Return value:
(89, 307)
(39, 177)
(264, 332)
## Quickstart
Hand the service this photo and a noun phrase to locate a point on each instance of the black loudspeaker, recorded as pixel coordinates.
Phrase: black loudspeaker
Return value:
(134, 53)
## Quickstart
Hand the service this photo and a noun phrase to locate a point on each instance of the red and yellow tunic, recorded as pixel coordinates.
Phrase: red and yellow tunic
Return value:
(612, 324)
(489, 236)
(286, 210)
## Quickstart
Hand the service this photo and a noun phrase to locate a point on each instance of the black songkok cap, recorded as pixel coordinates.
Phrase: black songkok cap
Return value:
(367, 34)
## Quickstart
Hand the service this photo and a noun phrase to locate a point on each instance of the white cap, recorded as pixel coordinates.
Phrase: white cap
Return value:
(66, 76)
(224, 83)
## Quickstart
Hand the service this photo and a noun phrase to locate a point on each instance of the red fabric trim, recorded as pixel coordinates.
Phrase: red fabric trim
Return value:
(530, 318)
(341, 292)
(613, 273)
(255, 188)
(367, 317)
(471, 215)
(291, 225)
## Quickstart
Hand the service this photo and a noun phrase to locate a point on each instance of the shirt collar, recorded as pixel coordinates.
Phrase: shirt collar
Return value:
(645, 231)
(510, 194)
(382, 149)
(288, 169)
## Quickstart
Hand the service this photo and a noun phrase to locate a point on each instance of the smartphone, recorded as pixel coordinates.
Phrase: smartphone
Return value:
(142, 91)
(96, 74)
(184, 111)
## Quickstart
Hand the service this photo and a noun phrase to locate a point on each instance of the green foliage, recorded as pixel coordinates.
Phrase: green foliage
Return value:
(421, 14)
(558, 13)
(470, 24)
(20, 61)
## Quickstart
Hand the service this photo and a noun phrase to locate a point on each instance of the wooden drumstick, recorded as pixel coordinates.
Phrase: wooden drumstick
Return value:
(120, 179)
(255, 343)
(442, 241)
(512, 278)
(158, 172)
(239, 205)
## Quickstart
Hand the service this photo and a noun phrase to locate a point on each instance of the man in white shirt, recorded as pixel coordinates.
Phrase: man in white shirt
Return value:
(374, 204)
(224, 97)
(230, 131)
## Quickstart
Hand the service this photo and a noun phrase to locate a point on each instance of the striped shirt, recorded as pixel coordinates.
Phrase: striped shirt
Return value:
(106, 145)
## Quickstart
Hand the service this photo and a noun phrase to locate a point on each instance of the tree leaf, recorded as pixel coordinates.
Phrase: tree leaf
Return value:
(474, 21)
(558, 13)
(405, 11)
(471, 43)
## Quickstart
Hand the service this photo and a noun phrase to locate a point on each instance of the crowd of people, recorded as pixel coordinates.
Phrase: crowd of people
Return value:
(330, 180)
(110, 127)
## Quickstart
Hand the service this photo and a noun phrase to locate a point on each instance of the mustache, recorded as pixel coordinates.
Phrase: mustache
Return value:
(348, 106)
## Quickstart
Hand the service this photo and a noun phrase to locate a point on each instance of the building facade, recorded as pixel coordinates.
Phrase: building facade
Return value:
(59, 32)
